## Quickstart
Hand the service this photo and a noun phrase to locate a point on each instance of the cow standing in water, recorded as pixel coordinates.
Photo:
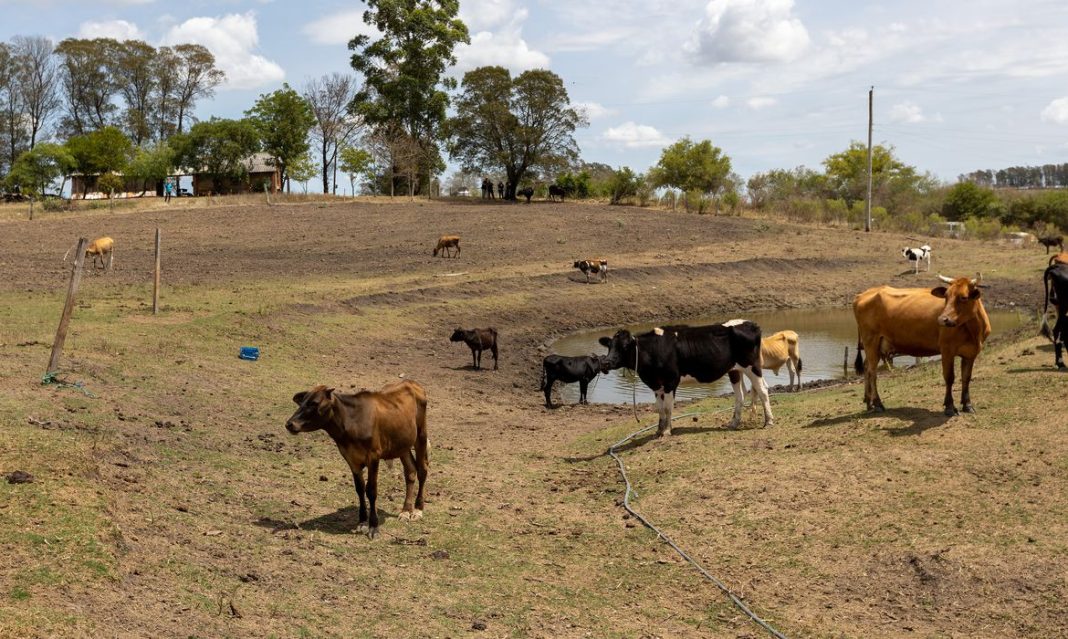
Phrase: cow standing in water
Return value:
(663, 355)
(948, 320)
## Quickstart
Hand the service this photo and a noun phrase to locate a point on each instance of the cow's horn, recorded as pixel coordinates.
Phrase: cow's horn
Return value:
(947, 280)
(978, 278)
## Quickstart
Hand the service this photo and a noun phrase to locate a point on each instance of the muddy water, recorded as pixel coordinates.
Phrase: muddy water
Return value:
(824, 334)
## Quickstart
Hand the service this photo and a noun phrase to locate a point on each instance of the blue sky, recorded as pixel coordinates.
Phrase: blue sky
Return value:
(774, 83)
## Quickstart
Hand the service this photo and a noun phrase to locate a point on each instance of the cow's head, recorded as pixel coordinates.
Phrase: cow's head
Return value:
(458, 335)
(905, 251)
(962, 300)
(621, 350)
(314, 409)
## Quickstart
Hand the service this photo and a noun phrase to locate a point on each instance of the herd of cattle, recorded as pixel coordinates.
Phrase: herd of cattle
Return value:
(949, 320)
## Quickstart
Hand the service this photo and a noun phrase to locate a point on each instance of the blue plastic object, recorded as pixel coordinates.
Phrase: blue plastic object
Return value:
(249, 352)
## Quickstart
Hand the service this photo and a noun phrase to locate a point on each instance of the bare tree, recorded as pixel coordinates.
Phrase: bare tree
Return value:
(335, 127)
(11, 131)
(38, 82)
(197, 78)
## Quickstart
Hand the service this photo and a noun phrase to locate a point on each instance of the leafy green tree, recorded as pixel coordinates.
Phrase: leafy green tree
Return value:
(37, 169)
(575, 184)
(967, 199)
(697, 168)
(356, 163)
(404, 69)
(283, 119)
(513, 124)
(110, 183)
(151, 165)
(302, 169)
(133, 67)
(893, 181)
(89, 82)
(106, 150)
(220, 148)
(624, 184)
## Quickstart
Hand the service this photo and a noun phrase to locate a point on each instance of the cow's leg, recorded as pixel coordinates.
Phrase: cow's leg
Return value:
(668, 406)
(549, 391)
(372, 498)
(760, 389)
(735, 376)
(965, 385)
(871, 376)
(1058, 339)
(791, 370)
(475, 353)
(947, 375)
(361, 494)
(663, 425)
(493, 349)
(422, 460)
(408, 461)
(583, 385)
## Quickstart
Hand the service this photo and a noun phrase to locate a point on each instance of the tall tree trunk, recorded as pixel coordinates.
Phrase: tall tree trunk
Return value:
(326, 168)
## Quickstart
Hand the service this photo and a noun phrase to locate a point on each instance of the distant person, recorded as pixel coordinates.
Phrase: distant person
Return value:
(485, 184)
(167, 188)
(500, 190)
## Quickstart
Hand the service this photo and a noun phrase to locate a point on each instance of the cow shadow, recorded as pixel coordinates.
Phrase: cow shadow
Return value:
(342, 521)
(920, 420)
(1042, 369)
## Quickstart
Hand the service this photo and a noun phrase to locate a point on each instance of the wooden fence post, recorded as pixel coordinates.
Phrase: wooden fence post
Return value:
(64, 320)
(155, 288)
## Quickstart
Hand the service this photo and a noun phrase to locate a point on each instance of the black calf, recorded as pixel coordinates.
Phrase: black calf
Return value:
(568, 370)
(478, 340)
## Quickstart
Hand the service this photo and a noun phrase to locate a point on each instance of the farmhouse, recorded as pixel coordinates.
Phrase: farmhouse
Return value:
(260, 171)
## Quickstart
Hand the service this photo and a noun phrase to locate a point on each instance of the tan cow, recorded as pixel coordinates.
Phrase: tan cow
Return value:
(948, 320)
(368, 427)
(445, 242)
(97, 249)
(776, 351)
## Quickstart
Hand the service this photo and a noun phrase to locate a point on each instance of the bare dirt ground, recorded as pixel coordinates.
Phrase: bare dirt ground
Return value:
(174, 504)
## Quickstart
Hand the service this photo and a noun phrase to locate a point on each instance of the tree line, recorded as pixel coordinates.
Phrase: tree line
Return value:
(1047, 176)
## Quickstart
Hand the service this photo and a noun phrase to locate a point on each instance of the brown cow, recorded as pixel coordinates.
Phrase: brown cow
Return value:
(948, 320)
(478, 340)
(597, 265)
(367, 427)
(445, 242)
(97, 249)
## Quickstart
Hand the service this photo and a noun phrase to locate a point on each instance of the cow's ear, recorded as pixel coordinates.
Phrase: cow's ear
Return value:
(939, 292)
(299, 397)
(975, 294)
(605, 341)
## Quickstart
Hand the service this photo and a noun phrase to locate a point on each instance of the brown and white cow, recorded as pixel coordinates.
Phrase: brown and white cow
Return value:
(368, 427)
(597, 265)
(948, 320)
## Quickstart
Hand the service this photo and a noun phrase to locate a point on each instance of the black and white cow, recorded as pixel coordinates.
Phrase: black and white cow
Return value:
(597, 266)
(1056, 277)
(568, 370)
(917, 255)
(663, 355)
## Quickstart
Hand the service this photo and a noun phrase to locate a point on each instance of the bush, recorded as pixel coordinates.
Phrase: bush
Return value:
(982, 228)
(624, 184)
(54, 204)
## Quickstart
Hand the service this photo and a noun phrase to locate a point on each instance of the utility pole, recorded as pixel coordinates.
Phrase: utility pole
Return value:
(867, 206)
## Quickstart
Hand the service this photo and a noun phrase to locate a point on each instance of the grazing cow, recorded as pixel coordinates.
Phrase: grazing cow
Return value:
(368, 427)
(917, 255)
(596, 266)
(556, 191)
(478, 339)
(1051, 241)
(528, 193)
(1055, 283)
(778, 350)
(568, 370)
(445, 242)
(98, 249)
(948, 320)
(663, 355)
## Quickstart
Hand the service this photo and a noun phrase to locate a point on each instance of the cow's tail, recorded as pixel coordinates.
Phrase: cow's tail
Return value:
(858, 363)
(422, 441)
(799, 366)
(1045, 330)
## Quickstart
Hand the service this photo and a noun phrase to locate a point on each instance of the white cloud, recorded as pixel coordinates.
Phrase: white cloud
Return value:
(721, 102)
(117, 29)
(339, 28)
(503, 47)
(593, 110)
(908, 112)
(1056, 111)
(232, 39)
(484, 15)
(632, 136)
(749, 31)
(760, 102)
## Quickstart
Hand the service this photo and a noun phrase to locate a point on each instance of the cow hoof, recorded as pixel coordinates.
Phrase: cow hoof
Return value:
(1061, 365)
(878, 408)
(665, 434)
(967, 408)
(361, 527)
(769, 424)
(951, 411)
(417, 514)
(405, 515)
(732, 425)
(372, 532)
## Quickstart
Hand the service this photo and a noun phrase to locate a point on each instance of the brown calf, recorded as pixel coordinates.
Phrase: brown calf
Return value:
(445, 242)
(367, 427)
(478, 340)
(98, 248)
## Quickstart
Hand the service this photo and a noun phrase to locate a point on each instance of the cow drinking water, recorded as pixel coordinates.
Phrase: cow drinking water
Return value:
(568, 370)
(662, 356)
(368, 427)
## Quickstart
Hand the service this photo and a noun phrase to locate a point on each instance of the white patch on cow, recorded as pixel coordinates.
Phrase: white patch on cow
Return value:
(739, 401)
(734, 322)
(658, 331)
(760, 387)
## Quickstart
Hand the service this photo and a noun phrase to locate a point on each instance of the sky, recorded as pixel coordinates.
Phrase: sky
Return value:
(959, 85)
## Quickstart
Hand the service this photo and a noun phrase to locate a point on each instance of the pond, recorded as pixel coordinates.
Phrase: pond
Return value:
(823, 336)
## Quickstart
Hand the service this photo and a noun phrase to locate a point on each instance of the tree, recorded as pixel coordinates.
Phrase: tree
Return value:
(623, 184)
(283, 119)
(197, 78)
(404, 70)
(356, 163)
(134, 67)
(151, 165)
(35, 170)
(12, 133)
(513, 124)
(967, 199)
(694, 168)
(89, 83)
(38, 82)
(847, 172)
(106, 150)
(335, 126)
(164, 97)
(302, 169)
(110, 182)
(220, 148)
